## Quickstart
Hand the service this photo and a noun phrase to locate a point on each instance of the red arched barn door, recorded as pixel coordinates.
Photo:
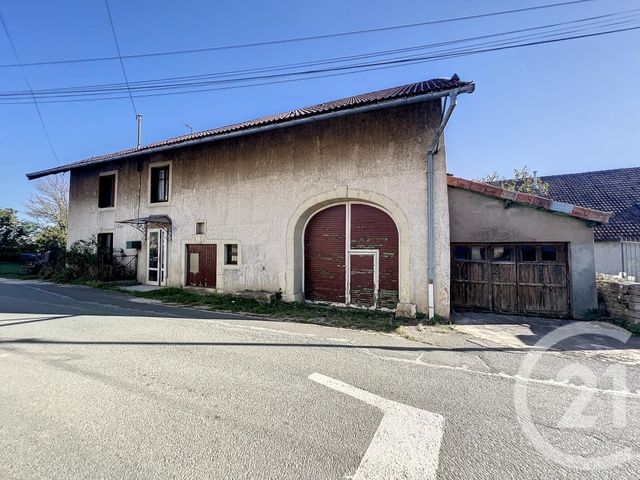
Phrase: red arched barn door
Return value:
(351, 256)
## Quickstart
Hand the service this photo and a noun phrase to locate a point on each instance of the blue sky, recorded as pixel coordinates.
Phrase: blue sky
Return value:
(558, 108)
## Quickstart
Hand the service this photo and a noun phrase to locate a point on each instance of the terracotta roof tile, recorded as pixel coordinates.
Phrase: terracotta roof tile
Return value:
(534, 201)
(403, 91)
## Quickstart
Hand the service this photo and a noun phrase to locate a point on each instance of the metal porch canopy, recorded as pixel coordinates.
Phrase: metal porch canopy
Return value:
(143, 223)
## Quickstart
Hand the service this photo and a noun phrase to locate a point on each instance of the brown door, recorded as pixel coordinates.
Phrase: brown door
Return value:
(363, 282)
(470, 287)
(336, 232)
(201, 265)
(324, 255)
(542, 279)
(504, 288)
(511, 278)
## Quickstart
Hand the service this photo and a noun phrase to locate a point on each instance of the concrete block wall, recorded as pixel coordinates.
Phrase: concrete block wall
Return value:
(620, 297)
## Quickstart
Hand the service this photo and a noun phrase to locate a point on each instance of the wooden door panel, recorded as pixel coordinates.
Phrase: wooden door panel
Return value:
(324, 256)
(373, 229)
(470, 287)
(362, 281)
(516, 278)
(504, 298)
(201, 265)
(504, 292)
(543, 283)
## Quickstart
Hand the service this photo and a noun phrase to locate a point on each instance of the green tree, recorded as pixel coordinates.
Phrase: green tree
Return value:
(522, 181)
(49, 206)
(15, 234)
(50, 238)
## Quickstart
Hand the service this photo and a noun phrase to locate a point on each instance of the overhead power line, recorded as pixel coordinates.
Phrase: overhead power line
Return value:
(543, 31)
(148, 89)
(26, 80)
(297, 39)
(124, 71)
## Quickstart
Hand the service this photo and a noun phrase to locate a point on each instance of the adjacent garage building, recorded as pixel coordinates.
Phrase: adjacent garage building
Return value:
(520, 253)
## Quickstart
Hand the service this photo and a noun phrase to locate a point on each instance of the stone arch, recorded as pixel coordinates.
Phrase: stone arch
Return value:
(293, 276)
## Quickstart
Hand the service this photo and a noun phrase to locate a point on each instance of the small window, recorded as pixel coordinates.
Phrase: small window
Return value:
(477, 253)
(461, 252)
(105, 247)
(231, 254)
(502, 254)
(107, 191)
(528, 253)
(199, 228)
(160, 184)
(549, 253)
(194, 263)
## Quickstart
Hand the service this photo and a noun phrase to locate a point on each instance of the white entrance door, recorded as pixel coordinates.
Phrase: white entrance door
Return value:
(157, 257)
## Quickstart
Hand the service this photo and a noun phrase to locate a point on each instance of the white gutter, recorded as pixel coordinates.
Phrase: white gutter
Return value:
(259, 129)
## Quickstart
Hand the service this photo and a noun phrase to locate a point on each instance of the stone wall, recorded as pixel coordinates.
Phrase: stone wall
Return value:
(620, 297)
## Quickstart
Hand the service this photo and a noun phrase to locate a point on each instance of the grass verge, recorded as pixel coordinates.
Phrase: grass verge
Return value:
(296, 312)
(353, 318)
(14, 271)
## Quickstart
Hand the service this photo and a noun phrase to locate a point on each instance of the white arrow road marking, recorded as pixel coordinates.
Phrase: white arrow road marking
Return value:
(407, 442)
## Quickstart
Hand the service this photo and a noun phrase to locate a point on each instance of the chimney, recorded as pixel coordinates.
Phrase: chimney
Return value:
(139, 118)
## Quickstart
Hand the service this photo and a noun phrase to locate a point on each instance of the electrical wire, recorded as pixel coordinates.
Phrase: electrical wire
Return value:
(619, 17)
(299, 39)
(124, 71)
(348, 69)
(26, 79)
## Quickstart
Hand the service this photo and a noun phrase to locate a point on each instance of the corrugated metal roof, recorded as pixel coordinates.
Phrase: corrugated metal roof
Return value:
(350, 103)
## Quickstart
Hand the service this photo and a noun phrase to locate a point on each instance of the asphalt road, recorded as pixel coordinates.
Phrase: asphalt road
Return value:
(101, 385)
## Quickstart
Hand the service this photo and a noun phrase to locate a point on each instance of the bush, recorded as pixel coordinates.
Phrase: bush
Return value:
(83, 262)
(80, 262)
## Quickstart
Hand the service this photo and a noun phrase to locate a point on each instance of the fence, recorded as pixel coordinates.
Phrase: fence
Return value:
(631, 259)
(119, 267)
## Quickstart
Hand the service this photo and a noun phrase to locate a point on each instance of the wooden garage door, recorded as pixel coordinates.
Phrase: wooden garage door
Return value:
(201, 265)
(511, 278)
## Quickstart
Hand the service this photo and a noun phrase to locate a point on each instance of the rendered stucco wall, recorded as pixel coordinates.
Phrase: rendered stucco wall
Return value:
(477, 218)
(257, 190)
(608, 257)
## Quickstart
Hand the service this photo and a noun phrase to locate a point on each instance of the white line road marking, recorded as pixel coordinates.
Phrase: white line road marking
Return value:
(505, 376)
(406, 444)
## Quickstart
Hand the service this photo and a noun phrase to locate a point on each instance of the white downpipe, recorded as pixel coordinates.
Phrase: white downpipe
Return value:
(430, 170)
(432, 306)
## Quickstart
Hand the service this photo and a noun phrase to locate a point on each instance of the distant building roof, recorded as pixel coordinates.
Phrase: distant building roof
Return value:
(411, 92)
(535, 201)
(616, 191)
